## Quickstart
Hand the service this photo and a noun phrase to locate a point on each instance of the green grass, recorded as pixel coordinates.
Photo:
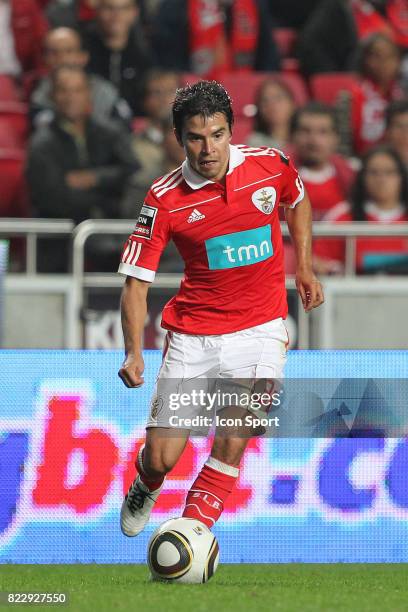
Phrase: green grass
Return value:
(235, 588)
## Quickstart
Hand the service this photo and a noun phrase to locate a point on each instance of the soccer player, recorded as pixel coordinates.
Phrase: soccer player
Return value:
(226, 321)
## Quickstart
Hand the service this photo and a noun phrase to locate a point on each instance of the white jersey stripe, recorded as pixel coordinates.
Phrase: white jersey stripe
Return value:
(165, 189)
(258, 153)
(195, 204)
(165, 177)
(126, 251)
(136, 256)
(256, 182)
(175, 176)
(132, 250)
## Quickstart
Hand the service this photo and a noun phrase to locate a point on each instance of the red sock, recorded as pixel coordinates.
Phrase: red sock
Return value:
(205, 500)
(151, 483)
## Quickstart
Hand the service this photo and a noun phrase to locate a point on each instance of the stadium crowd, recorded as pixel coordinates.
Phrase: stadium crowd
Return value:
(86, 88)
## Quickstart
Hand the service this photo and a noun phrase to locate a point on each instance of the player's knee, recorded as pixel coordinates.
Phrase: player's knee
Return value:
(159, 463)
(229, 451)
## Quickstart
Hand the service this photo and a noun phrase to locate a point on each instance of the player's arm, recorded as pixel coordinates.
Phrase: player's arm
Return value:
(139, 262)
(299, 220)
(133, 309)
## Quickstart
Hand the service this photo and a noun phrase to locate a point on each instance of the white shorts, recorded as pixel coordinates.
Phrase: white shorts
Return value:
(234, 361)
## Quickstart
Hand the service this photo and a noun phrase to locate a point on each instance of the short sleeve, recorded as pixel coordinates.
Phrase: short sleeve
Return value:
(142, 251)
(292, 191)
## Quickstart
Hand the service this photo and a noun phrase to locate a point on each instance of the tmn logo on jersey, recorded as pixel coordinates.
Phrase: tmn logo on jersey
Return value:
(264, 199)
(239, 249)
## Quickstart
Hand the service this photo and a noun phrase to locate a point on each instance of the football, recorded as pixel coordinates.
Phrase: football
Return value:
(183, 550)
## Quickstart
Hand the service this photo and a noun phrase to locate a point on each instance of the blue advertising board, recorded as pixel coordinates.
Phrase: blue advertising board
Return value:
(69, 432)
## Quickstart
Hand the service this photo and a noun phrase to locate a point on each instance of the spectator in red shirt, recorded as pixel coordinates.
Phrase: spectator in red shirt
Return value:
(380, 195)
(209, 37)
(380, 65)
(275, 108)
(327, 176)
(22, 31)
(328, 41)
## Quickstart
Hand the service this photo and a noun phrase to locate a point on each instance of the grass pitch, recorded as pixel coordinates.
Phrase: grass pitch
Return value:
(235, 588)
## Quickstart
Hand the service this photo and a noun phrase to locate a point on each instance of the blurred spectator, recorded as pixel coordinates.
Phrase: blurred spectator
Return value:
(275, 107)
(329, 40)
(77, 167)
(22, 30)
(63, 47)
(380, 195)
(118, 49)
(327, 176)
(380, 64)
(208, 37)
(160, 88)
(70, 13)
(397, 128)
(291, 13)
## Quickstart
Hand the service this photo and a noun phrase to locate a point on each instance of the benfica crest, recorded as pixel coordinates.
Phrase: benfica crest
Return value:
(264, 199)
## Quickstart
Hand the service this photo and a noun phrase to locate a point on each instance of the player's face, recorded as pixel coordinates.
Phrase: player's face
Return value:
(206, 143)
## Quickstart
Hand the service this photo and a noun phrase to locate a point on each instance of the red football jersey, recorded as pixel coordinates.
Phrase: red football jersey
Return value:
(229, 238)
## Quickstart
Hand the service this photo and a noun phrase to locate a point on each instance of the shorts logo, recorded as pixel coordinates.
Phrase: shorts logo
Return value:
(157, 405)
(145, 223)
(264, 199)
(239, 249)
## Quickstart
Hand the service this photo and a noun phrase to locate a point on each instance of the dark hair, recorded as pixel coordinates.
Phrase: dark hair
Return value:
(359, 193)
(314, 108)
(67, 68)
(204, 98)
(395, 108)
(367, 44)
(259, 122)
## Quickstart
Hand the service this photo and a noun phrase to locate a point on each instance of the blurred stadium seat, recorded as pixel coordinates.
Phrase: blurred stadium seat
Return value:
(13, 197)
(13, 124)
(8, 89)
(285, 39)
(242, 128)
(242, 88)
(327, 87)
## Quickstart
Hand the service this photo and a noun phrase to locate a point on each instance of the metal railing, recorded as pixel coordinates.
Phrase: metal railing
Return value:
(31, 229)
(350, 231)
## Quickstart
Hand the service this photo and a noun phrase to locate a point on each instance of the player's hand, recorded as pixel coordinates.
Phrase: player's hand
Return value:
(132, 370)
(309, 289)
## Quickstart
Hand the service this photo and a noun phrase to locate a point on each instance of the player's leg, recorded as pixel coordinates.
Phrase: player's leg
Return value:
(213, 485)
(258, 354)
(157, 457)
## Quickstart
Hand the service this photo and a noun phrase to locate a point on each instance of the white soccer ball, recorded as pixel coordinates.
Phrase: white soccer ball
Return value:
(183, 550)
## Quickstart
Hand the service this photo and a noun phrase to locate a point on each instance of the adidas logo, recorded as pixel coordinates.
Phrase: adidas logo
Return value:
(195, 216)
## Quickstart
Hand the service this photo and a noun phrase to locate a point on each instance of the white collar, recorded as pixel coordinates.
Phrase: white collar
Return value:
(383, 216)
(317, 176)
(196, 181)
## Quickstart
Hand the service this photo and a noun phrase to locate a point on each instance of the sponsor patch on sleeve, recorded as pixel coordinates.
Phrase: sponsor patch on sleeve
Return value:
(145, 223)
